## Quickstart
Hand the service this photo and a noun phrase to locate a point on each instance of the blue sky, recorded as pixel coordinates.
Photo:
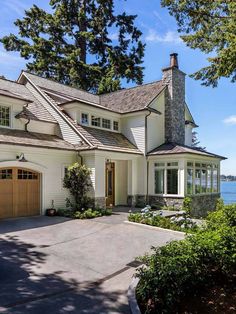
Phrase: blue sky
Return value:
(214, 109)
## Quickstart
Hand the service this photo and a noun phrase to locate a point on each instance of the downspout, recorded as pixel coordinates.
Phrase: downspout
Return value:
(81, 159)
(26, 125)
(146, 151)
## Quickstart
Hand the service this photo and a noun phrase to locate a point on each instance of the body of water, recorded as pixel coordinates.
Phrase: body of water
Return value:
(228, 191)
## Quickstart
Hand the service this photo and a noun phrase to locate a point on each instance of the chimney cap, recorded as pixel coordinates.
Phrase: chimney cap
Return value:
(174, 60)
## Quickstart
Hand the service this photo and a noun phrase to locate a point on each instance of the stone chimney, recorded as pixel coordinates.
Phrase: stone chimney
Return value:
(174, 102)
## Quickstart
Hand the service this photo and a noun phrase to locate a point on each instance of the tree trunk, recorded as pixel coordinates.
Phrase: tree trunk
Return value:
(82, 28)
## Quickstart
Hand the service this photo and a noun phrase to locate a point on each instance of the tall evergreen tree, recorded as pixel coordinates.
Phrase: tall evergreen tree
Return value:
(73, 44)
(208, 25)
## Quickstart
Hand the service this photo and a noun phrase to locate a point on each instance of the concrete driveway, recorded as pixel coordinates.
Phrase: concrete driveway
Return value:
(58, 265)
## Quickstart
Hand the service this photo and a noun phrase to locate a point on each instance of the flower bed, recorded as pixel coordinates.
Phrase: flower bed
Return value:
(194, 266)
(84, 214)
(154, 218)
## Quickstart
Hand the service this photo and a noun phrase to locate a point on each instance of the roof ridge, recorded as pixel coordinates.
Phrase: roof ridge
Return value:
(133, 87)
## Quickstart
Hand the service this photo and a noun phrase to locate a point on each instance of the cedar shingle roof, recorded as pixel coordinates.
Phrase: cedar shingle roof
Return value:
(35, 110)
(173, 148)
(106, 140)
(7, 93)
(71, 92)
(19, 137)
(123, 101)
(132, 99)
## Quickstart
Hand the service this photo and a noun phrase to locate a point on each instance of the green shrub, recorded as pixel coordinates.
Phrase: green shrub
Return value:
(77, 181)
(92, 213)
(181, 267)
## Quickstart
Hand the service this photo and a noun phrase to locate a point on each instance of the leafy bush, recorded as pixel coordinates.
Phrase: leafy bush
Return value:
(77, 181)
(85, 214)
(181, 267)
(92, 213)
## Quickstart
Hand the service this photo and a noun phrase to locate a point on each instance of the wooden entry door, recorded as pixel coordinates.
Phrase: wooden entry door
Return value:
(19, 192)
(110, 183)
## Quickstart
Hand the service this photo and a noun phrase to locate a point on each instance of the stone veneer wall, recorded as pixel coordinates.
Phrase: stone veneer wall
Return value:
(100, 202)
(174, 105)
(201, 204)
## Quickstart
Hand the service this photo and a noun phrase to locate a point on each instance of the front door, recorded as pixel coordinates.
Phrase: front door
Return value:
(110, 184)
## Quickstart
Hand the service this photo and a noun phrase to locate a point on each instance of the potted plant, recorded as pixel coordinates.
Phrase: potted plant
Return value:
(51, 211)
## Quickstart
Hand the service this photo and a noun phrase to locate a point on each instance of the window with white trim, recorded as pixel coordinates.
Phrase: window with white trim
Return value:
(106, 123)
(5, 119)
(84, 118)
(115, 125)
(166, 178)
(96, 121)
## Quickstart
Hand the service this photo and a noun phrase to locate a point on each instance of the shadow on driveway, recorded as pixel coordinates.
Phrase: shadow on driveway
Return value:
(23, 291)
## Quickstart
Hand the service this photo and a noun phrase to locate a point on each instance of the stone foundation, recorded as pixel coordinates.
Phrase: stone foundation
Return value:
(136, 200)
(160, 202)
(201, 204)
(100, 202)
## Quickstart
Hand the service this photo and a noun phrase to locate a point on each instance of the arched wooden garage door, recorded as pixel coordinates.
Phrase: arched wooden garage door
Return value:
(19, 192)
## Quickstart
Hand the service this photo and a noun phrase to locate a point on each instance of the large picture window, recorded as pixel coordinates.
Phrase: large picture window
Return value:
(190, 181)
(4, 116)
(166, 178)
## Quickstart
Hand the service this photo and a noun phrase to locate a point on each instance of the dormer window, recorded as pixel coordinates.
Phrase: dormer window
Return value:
(95, 121)
(115, 125)
(5, 116)
(106, 123)
(84, 119)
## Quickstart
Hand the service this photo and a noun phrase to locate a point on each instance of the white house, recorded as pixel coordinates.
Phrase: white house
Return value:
(137, 142)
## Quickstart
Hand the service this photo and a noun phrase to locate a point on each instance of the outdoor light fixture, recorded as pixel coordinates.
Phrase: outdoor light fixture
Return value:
(21, 158)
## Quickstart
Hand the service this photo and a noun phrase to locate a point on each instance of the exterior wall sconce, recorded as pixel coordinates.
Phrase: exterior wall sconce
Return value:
(21, 158)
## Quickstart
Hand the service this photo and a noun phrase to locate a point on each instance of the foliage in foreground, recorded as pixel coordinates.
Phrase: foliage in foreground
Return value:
(82, 43)
(211, 27)
(181, 267)
(85, 214)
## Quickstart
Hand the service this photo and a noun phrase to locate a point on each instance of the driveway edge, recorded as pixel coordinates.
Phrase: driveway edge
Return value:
(153, 227)
(131, 294)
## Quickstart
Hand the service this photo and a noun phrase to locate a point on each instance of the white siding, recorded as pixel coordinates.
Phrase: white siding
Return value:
(156, 124)
(188, 135)
(89, 161)
(50, 163)
(42, 127)
(133, 128)
(67, 131)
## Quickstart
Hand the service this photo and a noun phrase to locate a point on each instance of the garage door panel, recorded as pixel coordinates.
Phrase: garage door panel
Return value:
(19, 192)
(6, 200)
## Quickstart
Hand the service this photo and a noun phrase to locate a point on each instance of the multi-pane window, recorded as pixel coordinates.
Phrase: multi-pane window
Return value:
(106, 123)
(166, 178)
(5, 174)
(4, 116)
(115, 125)
(84, 119)
(96, 121)
(26, 175)
(206, 178)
